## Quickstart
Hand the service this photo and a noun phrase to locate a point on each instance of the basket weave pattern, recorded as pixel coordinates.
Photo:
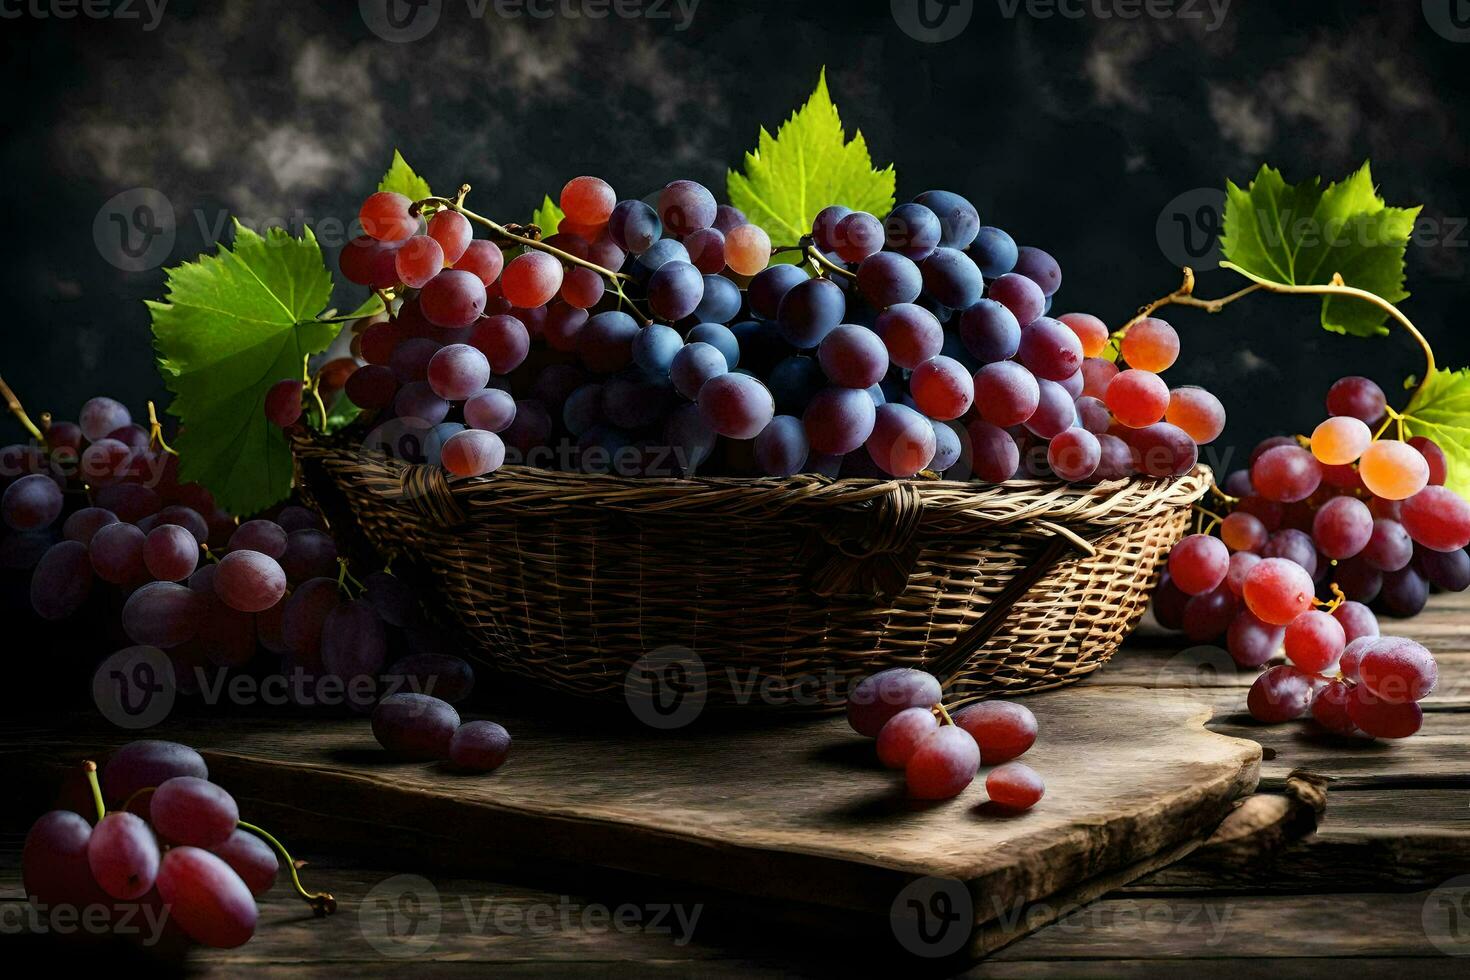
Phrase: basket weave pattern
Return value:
(569, 579)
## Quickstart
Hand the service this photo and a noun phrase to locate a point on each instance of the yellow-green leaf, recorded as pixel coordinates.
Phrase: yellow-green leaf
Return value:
(1302, 234)
(1440, 410)
(232, 325)
(548, 216)
(808, 165)
(401, 179)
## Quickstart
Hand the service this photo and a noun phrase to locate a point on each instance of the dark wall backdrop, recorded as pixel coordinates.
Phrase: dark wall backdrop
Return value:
(1065, 123)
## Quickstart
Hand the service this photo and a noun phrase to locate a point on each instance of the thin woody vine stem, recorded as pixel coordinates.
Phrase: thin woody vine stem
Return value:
(19, 411)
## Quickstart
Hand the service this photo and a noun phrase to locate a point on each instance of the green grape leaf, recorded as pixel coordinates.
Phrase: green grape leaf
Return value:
(341, 413)
(231, 325)
(1440, 410)
(401, 179)
(805, 167)
(547, 217)
(1302, 234)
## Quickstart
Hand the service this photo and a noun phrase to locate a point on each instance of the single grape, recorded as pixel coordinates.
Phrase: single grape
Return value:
(454, 298)
(266, 537)
(84, 524)
(887, 278)
(1358, 580)
(693, 366)
(634, 226)
(1314, 641)
(479, 746)
(1055, 411)
(102, 415)
(707, 250)
(1278, 590)
(1281, 693)
(1003, 730)
(417, 402)
(686, 206)
(675, 290)
(747, 249)
(1096, 376)
(62, 580)
(1330, 708)
(451, 230)
(1356, 620)
(781, 449)
(911, 334)
(720, 337)
(1398, 670)
(385, 216)
(838, 420)
(562, 328)
(1137, 398)
(458, 371)
(32, 502)
(588, 200)
(1150, 344)
(170, 553)
(824, 228)
(249, 581)
(912, 231)
(1389, 547)
(994, 251)
(959, 222)
(1197, 412)
(1014, 786)
(145, 763)
(1428, 448)
(1091, 332)
(951, 278)
(853, 356)
(1340, 440)
(1383, 719)
(947, 446)
(1199, 563)
(123, 856)
(1208, 616)
(372, 387)
(310, 553)
(1437, 518)
(1093, 415)
(1169, 603)
(942, 388)
(1250, 642)
(1394, 470)
(1018, 294)
(162, 614)
(473, 452)
(1342, 527)
(1448, 570)
(902, 440)
(250, 857)
(1243, 532)
(54, 868)
(878, 697)
(283, 402)
(483, 260)
(1050, 350)
(415, 726)
(942, 764)
(206, 898)
(1162, 450)
(995, 457)
(736, 405)
(605, 343)
(1358, 398)
(194, 811)
(1006, 393)
(769, 288)
(990, 331)
(902, 733)
(1286, 474)
(1074, 454)
(420, 259)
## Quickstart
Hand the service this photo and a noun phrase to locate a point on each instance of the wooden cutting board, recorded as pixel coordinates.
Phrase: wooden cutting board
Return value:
(795, 813)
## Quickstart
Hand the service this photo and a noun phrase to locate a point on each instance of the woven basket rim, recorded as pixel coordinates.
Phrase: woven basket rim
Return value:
(532, 488)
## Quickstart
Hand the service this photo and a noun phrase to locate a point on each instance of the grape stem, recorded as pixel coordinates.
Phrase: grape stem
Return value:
(155, 432)
(822, 262)
(943, 714)
(322, 903)
(19, 411)
(91, 769)
(345, 577)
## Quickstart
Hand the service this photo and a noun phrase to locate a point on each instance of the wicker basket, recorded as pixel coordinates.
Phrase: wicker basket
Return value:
(781, 587)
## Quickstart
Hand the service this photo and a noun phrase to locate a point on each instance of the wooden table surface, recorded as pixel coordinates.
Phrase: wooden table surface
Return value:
(1375, 888)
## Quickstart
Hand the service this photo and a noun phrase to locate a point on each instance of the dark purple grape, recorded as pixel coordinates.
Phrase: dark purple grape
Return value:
(415, 726)
(62, 581)
(878, 697)
(479, 746)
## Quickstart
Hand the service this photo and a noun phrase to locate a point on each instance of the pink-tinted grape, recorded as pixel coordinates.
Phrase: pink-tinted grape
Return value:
(1197, 412)
(1356, 620)
(1018, 294)
(1006, 393)
(878, 697)
(1003, 730)
(385, 216)
(1050, 350)
(1169, 603)
(1014, 786)
(206, 898)
(736, 405)
(249, 581)
(1286, 474)
(1314, 641)
(1280, 694)
(1208, 616)
(1438, 518)
(1398, 670)
(1357, 397)
(1433, 455)
(145, 763)
(1150, 344)
(458, 371)
(455, 298)
(503, 339)
(1055, 411)
(170, 553)
(1241, 562)
(266, 537)
(1074, 454)
(420, 259)
(686, 206)
(473, 452)
(902, 440)
(1278, 590)
(54, 868)
(1243, 532)
(1252, 643)
(1090, 331)
(102, 415)
(911, 334)
(1093, 415)
(1389, 546)
(251, 858)
(415, 726)
(1383, 719)
(1137, 398)
(942, 764)
(117, 554)
(479, 746)
(1161, 450)
(1097, 374)
(482, 259)
(995, 457)
(1342, 527)
(1199, 563)
(855, 236)
(283, 403)
(194, 811)
(451, 230)
(123, 856)
(839, 420)
(372, 386)
(901, 735)
(1330, 708)
(942, 388)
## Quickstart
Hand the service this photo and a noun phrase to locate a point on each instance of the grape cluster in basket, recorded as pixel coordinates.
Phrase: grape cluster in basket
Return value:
(660, 339)
(1320, 532)
(166, 849)
(97, 518)
(940, 753)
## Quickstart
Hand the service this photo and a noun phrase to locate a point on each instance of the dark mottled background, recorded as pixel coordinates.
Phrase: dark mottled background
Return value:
(1073, 132)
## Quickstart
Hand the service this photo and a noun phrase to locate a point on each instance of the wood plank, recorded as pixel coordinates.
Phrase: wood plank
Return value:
(807, 818)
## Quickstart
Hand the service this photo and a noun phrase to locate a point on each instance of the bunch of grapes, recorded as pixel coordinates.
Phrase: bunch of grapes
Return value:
(1319, 533)
(97, 517)
(659, 339)
(941, 753)
(165, 838)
